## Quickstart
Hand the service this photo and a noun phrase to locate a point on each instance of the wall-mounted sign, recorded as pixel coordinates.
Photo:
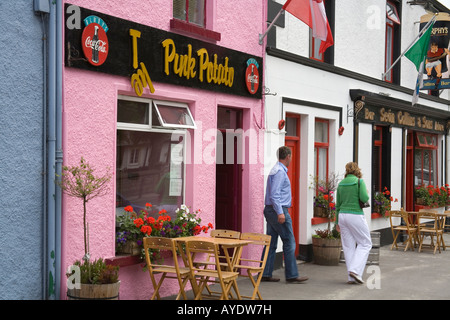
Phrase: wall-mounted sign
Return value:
(436, 73)
(147, 55)
(252, 76)
(398, 118)
(94, 40)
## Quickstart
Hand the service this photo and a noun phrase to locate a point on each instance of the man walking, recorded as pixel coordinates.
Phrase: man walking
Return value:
(279, 223)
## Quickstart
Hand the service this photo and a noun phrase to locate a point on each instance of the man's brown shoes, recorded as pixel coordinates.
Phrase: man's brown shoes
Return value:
(297, 280)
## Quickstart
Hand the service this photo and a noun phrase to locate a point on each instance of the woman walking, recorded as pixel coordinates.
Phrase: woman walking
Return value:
(350, 221)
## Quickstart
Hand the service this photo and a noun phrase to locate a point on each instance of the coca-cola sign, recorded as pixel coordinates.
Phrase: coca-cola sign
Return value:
(94, 40)
(252, 76)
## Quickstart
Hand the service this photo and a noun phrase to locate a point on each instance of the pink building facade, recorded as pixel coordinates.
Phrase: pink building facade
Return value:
(157, 99)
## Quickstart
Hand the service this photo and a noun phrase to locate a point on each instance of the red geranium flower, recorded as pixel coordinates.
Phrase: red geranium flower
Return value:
(138, 222)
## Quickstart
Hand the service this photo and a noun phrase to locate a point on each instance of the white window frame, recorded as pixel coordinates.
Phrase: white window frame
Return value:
(148, 128)
(157, 103)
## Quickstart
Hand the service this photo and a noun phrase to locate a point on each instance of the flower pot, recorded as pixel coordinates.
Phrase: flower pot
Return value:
(377, 209)
(326, 251)
(95, 292)
(132, 248)
(320, 212)
(420, 201)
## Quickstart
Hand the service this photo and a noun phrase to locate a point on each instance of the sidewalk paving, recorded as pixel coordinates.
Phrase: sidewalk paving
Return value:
(399, 275)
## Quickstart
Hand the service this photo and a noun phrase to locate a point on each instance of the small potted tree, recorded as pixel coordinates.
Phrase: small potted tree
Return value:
(88, 279)
(326, 243)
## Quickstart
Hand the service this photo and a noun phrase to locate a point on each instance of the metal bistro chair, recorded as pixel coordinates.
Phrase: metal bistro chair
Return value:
(194, 250)
(168, 271)
(255, 267)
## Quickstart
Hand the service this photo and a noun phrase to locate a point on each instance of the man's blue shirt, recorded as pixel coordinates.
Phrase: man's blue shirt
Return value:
(278, 190)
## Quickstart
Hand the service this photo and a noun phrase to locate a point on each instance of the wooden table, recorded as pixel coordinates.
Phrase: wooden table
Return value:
(225, 243)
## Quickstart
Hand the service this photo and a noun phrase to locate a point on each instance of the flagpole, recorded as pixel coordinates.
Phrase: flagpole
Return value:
(409, 47)
(262, 36)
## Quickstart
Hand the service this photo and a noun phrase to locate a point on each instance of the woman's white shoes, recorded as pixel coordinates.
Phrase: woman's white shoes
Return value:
(357, 278)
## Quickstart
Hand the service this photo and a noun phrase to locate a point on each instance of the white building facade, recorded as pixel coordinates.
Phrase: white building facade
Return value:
(335, 108)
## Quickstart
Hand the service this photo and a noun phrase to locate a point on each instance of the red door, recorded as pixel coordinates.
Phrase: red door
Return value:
(293, 142)
(228, 173)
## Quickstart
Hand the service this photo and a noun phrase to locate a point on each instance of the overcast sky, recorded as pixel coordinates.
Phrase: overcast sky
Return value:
(445, 3)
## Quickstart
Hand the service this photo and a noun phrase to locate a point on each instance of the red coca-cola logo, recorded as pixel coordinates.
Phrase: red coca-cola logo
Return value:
(95, 44)
(252, 76)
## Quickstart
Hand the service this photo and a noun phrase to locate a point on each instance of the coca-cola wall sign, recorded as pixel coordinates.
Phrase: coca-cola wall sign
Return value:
(252, 76)
(94, 40)
(103, 43)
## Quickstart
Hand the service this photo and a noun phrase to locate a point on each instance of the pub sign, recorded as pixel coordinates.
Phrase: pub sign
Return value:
(145, 55)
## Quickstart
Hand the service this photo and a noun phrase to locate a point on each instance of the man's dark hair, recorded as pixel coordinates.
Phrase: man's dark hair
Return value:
(283, 152)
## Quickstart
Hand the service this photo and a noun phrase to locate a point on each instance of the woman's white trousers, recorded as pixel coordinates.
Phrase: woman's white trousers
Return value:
(356, 242)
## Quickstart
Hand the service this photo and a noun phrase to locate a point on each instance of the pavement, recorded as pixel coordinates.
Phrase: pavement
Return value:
(399, 275)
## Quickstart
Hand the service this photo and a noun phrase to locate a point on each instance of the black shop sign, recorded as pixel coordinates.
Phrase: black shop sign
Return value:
(102, 43)
(400, 118)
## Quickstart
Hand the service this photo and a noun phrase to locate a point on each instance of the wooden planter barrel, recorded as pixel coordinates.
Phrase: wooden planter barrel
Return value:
(95, 292)
(326, 252)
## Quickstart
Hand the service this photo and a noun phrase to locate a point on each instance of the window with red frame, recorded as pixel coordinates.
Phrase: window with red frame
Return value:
(392, 19)
(321, 145)
(425, 159)
(190, 11)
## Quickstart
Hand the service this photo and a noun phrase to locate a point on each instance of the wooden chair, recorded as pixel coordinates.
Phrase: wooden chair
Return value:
(430, 224)
(168, 271)
(255, 267)
(223, 233)
(409, 229)
(447, 222)
(204, 275)
(220, 233)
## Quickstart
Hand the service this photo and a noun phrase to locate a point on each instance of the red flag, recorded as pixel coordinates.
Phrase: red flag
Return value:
(312, 12)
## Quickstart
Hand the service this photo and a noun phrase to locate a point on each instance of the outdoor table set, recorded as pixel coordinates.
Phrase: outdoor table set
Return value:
(209, 260)
(418, 226)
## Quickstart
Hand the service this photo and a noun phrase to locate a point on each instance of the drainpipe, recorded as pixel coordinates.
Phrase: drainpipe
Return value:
(51, 152)
(44, 153)
(59, 150)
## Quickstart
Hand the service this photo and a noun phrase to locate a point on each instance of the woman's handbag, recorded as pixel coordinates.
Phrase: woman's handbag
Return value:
(362, 204)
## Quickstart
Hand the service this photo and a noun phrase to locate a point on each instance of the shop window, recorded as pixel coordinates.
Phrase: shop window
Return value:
(150, 165)
(132, 112)
(292, 126)
(173, 115)
(392, 21)
(425, 160)
(321, 145)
